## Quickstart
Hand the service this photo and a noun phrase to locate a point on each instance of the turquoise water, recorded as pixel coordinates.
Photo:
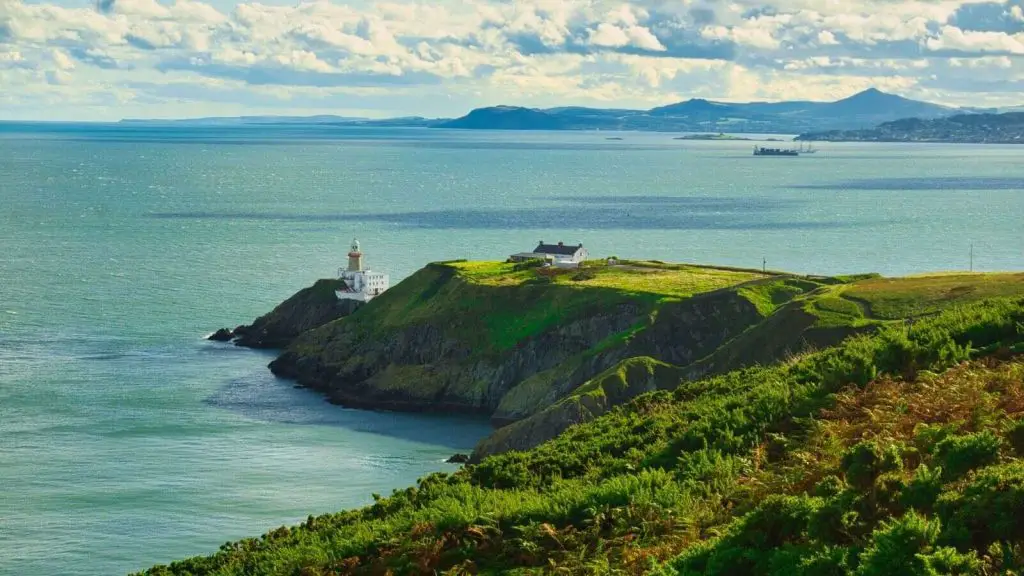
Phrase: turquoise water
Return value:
(126, 440)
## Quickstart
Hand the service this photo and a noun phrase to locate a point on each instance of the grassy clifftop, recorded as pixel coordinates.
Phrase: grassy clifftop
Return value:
(462, 335)
(897, 451)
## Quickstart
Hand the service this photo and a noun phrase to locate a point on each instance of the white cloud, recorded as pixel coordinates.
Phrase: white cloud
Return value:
(62, 61)
(474, 52)
(953, 38)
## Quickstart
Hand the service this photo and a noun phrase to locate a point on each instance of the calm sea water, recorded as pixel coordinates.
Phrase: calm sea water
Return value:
(126, 440)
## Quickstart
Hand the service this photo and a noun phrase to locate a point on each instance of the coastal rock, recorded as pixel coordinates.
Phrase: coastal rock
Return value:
(458, 458)
(222, 335)
(309, 308)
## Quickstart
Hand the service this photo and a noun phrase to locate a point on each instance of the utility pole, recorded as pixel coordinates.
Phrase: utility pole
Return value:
(764, 265)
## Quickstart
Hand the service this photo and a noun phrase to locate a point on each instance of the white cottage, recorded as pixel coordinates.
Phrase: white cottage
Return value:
(359, 284)
(561, 255)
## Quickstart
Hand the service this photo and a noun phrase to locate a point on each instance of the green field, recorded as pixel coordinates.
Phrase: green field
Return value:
(892, 298)
(675, 281)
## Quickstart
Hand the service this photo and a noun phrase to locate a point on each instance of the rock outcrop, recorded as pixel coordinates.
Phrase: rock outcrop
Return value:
(309, 308)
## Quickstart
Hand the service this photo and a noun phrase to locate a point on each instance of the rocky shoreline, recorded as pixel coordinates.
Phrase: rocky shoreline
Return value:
(309, 308)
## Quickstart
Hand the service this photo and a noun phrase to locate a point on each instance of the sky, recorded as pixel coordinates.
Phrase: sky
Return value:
(112, 59)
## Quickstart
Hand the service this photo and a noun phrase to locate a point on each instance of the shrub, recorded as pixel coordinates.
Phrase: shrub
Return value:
(1015, 436)
(926, 436)
(528, 264)
(896, 547)
(958, 455)
(828, 486)
(583, 275)
(923, 490)
(947, 561)
(838, 521)
(866, 461)
(988, 511)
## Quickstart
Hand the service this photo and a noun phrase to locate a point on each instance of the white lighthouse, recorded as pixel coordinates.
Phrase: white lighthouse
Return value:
(361, 285)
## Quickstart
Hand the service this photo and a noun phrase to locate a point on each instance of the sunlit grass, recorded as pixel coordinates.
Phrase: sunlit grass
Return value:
(677, 281)
(894, 298)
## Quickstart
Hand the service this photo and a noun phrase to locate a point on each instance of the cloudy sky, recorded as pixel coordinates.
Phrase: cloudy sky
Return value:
(108, 59)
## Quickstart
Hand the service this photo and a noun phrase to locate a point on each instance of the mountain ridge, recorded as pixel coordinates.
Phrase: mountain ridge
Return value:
(865, 109)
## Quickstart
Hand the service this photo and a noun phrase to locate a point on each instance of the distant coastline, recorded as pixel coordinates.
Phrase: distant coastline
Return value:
(867, 108)
(1005, 128)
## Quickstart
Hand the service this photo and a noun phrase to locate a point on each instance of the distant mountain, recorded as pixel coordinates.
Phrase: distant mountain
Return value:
(867, 108)
(512, 118)
(875, 106)
(1005, 128)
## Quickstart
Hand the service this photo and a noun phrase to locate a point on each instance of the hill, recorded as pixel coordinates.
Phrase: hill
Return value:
(1007, 128)
(893, 446)
(863, 109)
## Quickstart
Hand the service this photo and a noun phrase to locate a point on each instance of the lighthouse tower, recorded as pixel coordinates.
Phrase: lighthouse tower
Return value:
(360, 284)
(355, 258)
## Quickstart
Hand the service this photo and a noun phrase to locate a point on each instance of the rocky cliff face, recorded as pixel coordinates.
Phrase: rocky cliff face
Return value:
(694, 339)
(421, 368)
(309, 308)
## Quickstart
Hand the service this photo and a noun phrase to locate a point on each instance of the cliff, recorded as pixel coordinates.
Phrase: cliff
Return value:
(504, 341)
(307, 309)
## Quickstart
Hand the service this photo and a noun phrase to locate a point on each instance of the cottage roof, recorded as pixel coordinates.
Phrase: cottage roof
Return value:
(560, 249)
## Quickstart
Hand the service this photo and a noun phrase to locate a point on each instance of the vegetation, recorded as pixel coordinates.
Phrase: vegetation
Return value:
(894, 298)
(895, 452)
(672, 281)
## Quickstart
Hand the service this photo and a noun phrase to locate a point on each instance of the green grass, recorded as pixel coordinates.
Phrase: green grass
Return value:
(767, 296)
(832, 310)
(825, 464)
(669, 280)
(895, 298)
(505, 306)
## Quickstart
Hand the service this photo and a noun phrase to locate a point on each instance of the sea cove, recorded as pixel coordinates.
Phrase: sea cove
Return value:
(129, 441)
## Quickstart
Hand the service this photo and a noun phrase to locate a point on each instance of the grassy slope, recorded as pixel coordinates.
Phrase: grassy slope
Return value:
(891, 298)
(728, 475)
(908, 466)
(799, 313)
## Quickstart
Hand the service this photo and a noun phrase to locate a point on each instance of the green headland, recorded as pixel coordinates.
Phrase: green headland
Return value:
(678, 419)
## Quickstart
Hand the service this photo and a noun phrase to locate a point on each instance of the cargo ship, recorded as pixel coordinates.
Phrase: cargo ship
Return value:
(765, 151)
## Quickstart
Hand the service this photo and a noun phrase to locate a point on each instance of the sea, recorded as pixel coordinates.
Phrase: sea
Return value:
(127, 440)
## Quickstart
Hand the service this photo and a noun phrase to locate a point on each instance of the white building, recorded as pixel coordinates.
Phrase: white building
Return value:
(561, 255)
(360, 284)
